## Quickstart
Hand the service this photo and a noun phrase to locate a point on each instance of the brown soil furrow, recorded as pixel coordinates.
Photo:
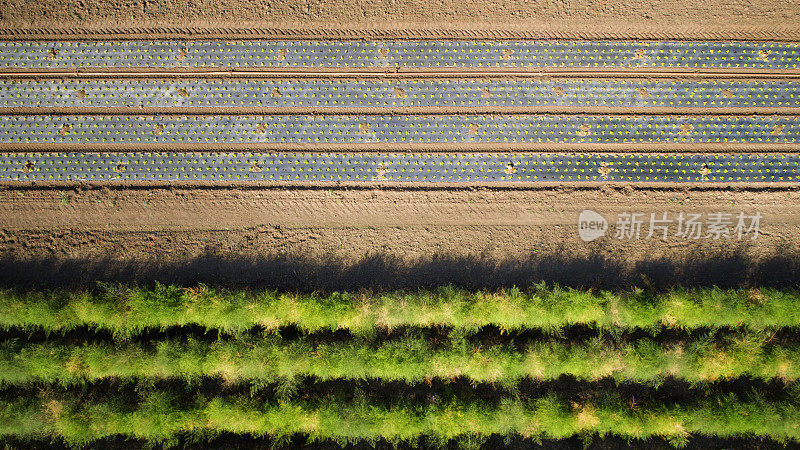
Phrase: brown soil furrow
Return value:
(776, 186)
(347, 223)
(564, 30)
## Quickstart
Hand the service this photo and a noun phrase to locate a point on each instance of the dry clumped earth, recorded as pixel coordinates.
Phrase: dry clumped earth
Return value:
(511, 227)
(572, 16)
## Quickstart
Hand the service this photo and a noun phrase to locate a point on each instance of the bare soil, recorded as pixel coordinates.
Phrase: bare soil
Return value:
(385, 237)
(760, 19)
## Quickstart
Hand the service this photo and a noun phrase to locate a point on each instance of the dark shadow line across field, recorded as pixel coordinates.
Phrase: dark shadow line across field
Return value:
(433, 392)
(727, 269)
(229, 441)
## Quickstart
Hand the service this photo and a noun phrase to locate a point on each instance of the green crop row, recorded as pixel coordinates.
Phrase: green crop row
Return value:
(126, 311)
(410, 358)
(161, 417)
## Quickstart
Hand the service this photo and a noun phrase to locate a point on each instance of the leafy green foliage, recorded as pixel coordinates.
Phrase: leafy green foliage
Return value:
(160, 417)
(410, 358)
(733, 337)
(126, 311)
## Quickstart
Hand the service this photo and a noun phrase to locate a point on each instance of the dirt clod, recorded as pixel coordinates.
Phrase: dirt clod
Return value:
(605, 170)
(64, 129)
(584, 130)
(158, 130)
(686, 129)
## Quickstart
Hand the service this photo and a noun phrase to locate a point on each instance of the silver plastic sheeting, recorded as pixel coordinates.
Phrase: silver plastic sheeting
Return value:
(397, 129)
(399, 167)
(452, 93)
(398, 54)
